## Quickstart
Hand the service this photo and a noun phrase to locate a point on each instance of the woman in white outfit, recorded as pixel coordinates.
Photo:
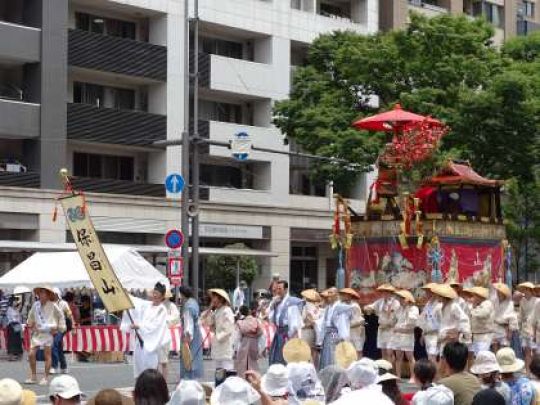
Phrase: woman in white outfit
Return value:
(402, 341)
(481, 319)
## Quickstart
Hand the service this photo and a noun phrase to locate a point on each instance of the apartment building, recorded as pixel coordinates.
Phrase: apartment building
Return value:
(91, 85)
(509, 17)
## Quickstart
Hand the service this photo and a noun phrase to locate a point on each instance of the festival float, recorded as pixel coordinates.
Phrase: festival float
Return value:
(425, 220)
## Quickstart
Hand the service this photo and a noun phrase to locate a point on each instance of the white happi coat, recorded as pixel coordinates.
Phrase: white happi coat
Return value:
(153, 329)
(453, 318)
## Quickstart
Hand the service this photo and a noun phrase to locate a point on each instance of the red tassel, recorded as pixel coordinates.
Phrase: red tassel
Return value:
(55, 213)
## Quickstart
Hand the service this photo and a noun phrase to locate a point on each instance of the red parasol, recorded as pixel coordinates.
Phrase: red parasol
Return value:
(394, 120)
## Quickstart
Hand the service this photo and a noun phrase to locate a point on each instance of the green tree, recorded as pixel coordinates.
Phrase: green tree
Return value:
(220, 271)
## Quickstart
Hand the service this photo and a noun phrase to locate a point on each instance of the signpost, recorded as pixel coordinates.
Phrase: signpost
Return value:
(175, 268)
(174, 183)
(241, 146)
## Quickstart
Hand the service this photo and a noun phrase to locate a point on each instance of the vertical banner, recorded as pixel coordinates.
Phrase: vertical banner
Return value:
(93, 256)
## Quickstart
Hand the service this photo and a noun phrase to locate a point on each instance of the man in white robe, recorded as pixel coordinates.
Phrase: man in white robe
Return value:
(150, 323)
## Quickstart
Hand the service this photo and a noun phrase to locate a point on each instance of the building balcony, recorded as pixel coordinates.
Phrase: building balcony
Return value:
(89, 123)
(19, 119)
(425, 8)
(20, 43)
(19, 179)
(117, 55)
(112, 186)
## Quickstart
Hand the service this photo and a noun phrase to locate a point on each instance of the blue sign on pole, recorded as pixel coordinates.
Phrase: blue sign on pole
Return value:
(174, 183)
(174, 239)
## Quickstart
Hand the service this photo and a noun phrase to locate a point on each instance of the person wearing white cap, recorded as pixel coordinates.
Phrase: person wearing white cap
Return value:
(234, 391)
(11, 393)
(284, 313)
(487, 369)
(188, 392)
(363, 375)
(58, 358)
(45, 319)
(150, 323)
(386, 309)
(481, 319)
(220, 319)
(523, 392)
(430, 322)
(430, 393)
(64, 390)
(505, 319)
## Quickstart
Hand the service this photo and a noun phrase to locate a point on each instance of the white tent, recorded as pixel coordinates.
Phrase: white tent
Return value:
(66, 270)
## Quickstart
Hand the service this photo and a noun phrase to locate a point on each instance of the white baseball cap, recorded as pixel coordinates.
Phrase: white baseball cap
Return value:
(234, 391)
(64, 386)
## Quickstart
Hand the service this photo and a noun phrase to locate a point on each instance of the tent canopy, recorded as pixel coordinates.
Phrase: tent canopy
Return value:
(66, 270)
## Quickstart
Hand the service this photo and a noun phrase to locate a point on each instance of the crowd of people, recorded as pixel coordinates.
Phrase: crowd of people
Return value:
(473, 339)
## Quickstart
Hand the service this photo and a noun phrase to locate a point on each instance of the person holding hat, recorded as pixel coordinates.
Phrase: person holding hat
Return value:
(386, 309)
(481, 319)
(150, 325)
(358, 332)
(284, 313)
(430, 322)
(527, 305)
(402, 341)
(45, 319)
(220, 319)
(454, 321)
(191, 335)
(311, 313)
(505, 317)
(334, 327)
(487, 369)
(523, 392)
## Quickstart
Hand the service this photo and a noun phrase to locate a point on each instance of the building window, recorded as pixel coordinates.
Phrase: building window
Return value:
(103, 96)
(105, 26)
(222, 47)
(103, 166)
(224, 112)
(86, 93)
(494, 14)
(333, 10)
(528, 9)
(227, 176)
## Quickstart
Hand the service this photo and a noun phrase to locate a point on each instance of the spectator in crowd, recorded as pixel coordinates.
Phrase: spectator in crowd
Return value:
(248, 330)
(390, 387)
(150, 388)
(11, 393)
(109, 396)
(464, 385)
(488, 396)
(521, 387)
(75, 313)
(86, 311)
(4, 304)
(14, 330)
(334, 381)
(535, 373)
(304, 383)
(237, 391)
(58, 358)
(363, 376)
(188, 392)
(275, 384)
(487, 369)
(64, 390)
(429, 393)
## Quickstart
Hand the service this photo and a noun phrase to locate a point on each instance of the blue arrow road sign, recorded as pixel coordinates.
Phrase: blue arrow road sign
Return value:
(174, 183)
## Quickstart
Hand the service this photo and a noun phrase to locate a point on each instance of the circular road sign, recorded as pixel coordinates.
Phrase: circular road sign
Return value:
(174, 239)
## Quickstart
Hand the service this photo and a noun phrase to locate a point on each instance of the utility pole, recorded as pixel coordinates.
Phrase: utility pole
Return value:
(185, 147)
(195, 161)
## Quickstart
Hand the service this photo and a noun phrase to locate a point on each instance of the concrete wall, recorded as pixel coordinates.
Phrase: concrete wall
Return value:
(13, 36)
(18, 119)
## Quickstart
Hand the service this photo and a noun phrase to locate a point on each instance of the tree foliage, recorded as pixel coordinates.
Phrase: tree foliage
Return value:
(220, 270)
(444, 66)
